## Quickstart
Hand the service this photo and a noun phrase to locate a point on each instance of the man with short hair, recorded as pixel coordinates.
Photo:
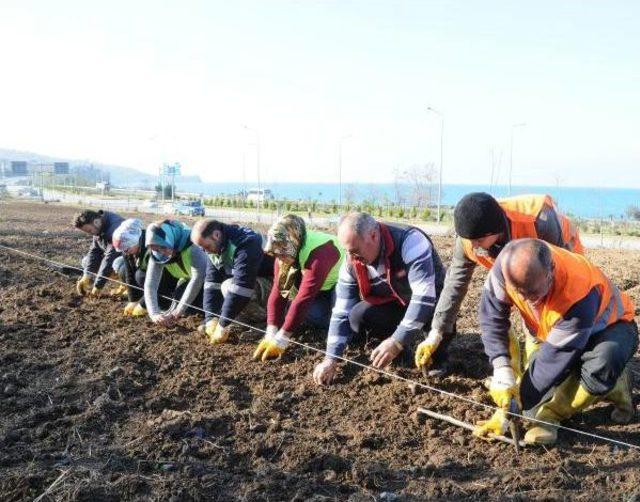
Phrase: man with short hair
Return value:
(237, 271)
(99, 260)
(586, 330)
(388, 285)
(484, 225)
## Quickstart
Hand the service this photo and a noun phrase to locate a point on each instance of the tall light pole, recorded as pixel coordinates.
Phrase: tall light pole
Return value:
(430, 109)
(340, 141)
(257, 167)
(513, 128)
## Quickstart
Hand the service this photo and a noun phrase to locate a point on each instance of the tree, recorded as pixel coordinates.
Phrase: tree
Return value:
(167, 190)
(420, 180)
(350, 194)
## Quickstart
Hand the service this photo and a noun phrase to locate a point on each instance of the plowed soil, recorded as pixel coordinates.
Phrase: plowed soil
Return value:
(95, 406)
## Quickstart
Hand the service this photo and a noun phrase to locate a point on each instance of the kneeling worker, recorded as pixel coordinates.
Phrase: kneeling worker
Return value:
(99, 260)
(388, 285)
(237, 271)
(586, 328)
(484, 226)
(172, 251)
(305, 275)
(130, 239)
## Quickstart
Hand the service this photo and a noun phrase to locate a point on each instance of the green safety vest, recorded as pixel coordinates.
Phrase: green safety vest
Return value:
(143, 261)
(225, 259)
(181, 268)
(314, 240)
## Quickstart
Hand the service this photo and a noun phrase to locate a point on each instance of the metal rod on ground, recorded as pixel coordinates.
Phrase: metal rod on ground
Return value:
(465, 425)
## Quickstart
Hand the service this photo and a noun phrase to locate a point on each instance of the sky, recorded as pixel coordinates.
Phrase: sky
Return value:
(210, 84)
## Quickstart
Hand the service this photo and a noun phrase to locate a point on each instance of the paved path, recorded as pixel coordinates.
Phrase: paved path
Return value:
(268, 217)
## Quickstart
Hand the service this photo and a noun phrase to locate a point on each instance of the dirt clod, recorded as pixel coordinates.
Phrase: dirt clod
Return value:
(131, 411)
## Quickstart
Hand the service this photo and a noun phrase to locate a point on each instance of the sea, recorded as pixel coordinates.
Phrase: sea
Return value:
(584, 202)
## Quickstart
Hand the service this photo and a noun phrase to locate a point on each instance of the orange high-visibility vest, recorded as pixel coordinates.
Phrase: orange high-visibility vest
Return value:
(522, 212)
(573, 278)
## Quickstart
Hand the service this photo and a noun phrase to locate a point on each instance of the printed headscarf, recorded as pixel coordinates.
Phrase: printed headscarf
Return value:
(286, 237)
(127, 234)
(170, 234)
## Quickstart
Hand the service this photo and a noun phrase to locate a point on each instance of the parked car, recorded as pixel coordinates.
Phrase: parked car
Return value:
(189, 208)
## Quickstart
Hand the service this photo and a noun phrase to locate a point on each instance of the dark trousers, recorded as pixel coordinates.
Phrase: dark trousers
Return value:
(319, 314)
(382, 320)
(606, 355)
(196, 302)
(166, 288)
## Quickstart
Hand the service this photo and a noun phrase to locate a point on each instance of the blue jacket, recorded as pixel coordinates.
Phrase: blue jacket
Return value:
(99, 259)
(242, 260)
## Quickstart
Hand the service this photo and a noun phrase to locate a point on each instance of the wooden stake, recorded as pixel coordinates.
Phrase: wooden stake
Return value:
(465, 425)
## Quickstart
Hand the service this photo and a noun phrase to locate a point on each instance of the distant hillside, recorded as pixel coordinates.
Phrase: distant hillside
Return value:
(118, 176)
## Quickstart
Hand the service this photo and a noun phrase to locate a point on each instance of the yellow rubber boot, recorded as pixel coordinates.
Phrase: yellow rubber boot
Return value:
(531, 346)
(559, 408)
(622, 399)
(515, 354)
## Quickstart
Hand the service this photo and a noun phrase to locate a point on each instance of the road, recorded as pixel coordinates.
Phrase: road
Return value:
(327, 222)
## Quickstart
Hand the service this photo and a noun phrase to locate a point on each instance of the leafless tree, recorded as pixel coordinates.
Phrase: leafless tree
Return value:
(420, 180)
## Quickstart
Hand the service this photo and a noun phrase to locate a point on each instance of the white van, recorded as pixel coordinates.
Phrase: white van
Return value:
(259, 194)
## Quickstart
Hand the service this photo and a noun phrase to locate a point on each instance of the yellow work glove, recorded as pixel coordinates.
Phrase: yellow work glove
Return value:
(272, 345)
(83, 286)
(217, 334)
(497, 424)
(139, 311)
(425, 350)
(505, 393)
(128, 310)
(97, 292)
(210, 325)
(118, 290)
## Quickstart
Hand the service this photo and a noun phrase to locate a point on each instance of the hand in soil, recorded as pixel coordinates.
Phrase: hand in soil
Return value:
(324, 372)
(166, 320)
(271, 346)
(497, 424)
(384, 353)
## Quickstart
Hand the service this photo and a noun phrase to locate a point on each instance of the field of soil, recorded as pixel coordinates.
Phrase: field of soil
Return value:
(95, 406)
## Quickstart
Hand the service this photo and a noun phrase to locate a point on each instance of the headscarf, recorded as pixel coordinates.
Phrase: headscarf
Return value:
(286, 237)
(170, 234)
(127, 234)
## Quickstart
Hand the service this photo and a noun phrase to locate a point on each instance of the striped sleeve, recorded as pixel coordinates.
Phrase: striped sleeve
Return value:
(347, 296)
(417, 254)
(495, 309)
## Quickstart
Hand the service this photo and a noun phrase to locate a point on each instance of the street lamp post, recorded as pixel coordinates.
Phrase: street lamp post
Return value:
(257, 168)
(340, 141)
(430, 109)
(513, 127)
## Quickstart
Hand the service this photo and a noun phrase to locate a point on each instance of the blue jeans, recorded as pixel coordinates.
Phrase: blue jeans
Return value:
(319, 313)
